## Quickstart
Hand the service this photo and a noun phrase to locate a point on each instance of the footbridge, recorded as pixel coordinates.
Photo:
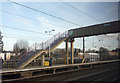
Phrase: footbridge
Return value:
(38, 49)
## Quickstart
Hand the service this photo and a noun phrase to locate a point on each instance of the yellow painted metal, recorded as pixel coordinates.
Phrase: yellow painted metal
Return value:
(46, 63)
(72, 53)
(31, 59)
(83, 60)
(43, 60)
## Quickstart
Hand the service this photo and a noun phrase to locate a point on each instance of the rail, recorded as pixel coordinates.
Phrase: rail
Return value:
(39, 48)
(43, 45)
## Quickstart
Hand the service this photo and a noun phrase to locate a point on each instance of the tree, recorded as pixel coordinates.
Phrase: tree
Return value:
(103, 53)
(20, 45)
(16, 48)
(77, 50)
(91, 51)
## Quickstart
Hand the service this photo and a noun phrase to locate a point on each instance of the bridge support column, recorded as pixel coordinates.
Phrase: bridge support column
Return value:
(83, 47)
(43, 59)
(72, 53)
(67, 55)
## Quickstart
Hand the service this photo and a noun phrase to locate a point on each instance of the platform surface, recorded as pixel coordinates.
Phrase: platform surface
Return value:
(30, 68)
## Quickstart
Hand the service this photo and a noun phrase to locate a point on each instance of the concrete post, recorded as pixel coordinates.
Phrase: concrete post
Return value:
(72, 53)
(83, 47)
(43, 59)
(66, 57)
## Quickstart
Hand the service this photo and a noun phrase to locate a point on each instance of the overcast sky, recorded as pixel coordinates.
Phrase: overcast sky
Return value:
(103, 11)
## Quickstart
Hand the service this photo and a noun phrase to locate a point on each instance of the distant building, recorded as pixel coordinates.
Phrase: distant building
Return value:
(1, 43)
(113, 53)
(92, 57)
(80, 55)
(6, 55)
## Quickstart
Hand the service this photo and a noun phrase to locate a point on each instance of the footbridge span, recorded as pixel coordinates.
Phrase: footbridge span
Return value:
(40, 48)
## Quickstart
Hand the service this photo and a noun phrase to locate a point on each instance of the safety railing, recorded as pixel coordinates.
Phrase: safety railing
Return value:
(37, 47)
(44, 45)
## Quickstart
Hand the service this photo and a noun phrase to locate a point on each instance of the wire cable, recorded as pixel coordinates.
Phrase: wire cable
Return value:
(29, 37)
(22, 29)
(15, 37)
(30, 18)
(43, 12)
(81, 11)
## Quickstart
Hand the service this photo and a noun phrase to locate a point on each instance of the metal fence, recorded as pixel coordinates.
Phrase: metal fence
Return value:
(37, 47)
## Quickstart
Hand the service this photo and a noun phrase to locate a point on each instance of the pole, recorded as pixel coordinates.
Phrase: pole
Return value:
(83, 44)
(72, 53)
(66, 58)
(83, 48)
(43, 59)
(49, 38)
(49, 44)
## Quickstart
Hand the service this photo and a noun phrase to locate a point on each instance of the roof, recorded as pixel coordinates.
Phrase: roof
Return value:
(8, 52)
(113, 53)
(90, 53)
(93, 53)
(98, 29)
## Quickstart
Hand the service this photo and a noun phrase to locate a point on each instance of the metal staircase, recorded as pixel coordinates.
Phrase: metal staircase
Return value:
(38, 48)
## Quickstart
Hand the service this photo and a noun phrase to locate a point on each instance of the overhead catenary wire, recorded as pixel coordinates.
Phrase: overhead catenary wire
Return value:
(79, 10)
(82, 12)
(109, 37)
(87, 15)
(28, 37)
(115, 38)
(22, 29)
(101, 41)
(43, 13)
(28, 31)
(31, 18)
(118, 39)
(20, 38)
(47, 13)
(104, 44)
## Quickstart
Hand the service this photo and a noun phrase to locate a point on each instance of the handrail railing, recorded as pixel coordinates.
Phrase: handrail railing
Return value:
(49, 41)
(44, 45)
(36, 47)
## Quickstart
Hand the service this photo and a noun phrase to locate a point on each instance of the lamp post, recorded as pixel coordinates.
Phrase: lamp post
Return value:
(49, 38)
